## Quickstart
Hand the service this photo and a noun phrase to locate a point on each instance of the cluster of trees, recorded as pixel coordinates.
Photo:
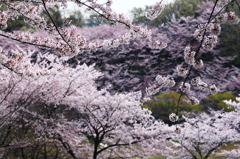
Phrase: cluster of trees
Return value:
(64, 115)
(51, 110)
(174, 10)
(75, 16)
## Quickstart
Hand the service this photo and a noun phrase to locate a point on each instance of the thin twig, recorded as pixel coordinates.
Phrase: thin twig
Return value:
(198, 50)
(44, 5)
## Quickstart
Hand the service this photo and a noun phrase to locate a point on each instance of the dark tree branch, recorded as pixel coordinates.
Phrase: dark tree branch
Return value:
(66, 146)
(25, 42)
(44, 5)
(213, 149)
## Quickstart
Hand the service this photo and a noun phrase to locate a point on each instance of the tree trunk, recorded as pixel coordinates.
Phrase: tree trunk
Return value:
(95, 153)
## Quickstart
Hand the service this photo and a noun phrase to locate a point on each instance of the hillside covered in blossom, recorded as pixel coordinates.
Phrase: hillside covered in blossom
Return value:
(134, 66)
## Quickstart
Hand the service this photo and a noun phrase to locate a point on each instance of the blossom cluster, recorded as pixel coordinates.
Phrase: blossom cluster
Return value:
(181, 71)
(173, 117)
(189, 57)
(190, 99)
(19, 61)
(208, 32)
(193, 101)
(165, 81)
(185, 87)
(155, 11)
(31, 14)
(161, 82)
(158, 45)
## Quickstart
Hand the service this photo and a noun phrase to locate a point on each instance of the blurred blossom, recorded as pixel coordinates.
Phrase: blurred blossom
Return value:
(202, 85)
(177, 130)
(198, 64)
(181, 71)
(213, 89)
(193, 101)
(195, 80)
(185, 87)
(173, 117)
(152, 90)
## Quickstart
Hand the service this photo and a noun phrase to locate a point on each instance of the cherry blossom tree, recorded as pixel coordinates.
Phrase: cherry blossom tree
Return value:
(117, 125)
(201, 136)
(232, 118)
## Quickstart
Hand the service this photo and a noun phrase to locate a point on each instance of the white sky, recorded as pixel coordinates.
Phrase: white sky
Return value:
(124, 6)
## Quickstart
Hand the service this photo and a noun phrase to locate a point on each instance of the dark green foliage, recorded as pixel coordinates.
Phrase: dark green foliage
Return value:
(215, 101)
(77, 18)
(164, 104)
(94, 20)
(185, 7)
(230, 38)
(173, 10)
(16, 24)
(19, 24)
(138, 15)
(55, 14)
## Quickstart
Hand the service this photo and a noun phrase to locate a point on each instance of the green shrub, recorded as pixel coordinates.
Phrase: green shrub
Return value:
(215, 101)
(164, 104)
